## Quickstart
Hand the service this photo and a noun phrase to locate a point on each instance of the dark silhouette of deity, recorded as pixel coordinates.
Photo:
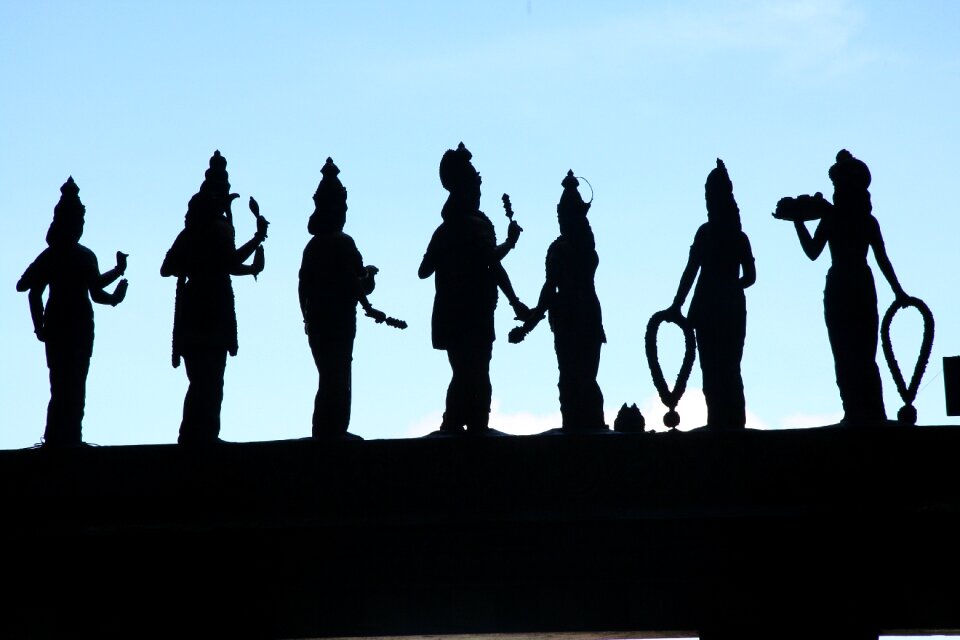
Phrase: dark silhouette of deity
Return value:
(848, 227)
(333, 279)
(65, 324)
(203, 257)
(721, 254)
(465, 260)
(570, 297)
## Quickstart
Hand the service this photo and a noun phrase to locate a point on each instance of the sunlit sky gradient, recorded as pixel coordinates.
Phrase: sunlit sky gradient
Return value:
(640, 98)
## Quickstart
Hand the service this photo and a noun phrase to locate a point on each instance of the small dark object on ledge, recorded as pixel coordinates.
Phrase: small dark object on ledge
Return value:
(629, 420)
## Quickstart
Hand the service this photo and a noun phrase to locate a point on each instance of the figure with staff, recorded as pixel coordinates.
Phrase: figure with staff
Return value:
(202, 258)
(333, 279)
(465, 260)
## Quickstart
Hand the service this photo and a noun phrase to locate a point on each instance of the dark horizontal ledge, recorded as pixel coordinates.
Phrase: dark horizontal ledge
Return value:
(803, 529)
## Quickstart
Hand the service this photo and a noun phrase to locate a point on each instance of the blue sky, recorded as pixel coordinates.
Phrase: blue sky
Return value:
(640, 98)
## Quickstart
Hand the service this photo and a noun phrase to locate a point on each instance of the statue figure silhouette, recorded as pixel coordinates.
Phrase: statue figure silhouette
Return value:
(850, 297)
(465, 259)
(570, 297)
(65, 324)
(332, 280)
(718, 311)
(203, 257)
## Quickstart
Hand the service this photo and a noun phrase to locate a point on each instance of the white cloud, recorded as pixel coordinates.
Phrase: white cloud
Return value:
(519, 424)
(806, 421)
(692, 410)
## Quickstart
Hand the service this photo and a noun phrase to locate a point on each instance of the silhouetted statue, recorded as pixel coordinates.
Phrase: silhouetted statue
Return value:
(850, 297)
(203, 257)
(465, 258)
(718, 311)
(65, 324)
(570, 298)
(332, 280)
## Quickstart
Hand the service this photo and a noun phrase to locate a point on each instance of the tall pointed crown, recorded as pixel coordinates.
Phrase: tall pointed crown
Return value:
(69, 204)
(718, 182)
(330, 192)
(570, 200)
(216, 180)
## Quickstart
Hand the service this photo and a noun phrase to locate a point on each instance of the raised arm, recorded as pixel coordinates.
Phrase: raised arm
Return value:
(513, 234)
(812, 246)
(238, 268)
(108, 278)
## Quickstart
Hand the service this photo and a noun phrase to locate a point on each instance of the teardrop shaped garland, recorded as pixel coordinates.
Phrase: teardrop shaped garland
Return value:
(908, 413)
(670, 397)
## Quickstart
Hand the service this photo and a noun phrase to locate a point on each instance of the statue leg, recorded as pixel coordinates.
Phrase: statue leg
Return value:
(850, 311)
(581, 401)
(720, 347)
(68, 381)
(454, 415)
(201, 405)
(331, 408)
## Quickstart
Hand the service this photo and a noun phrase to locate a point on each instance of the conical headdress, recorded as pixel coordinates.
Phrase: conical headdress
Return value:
(216, 180)
(67, 224)
(570, 200)
(718, 183)
(330, 192)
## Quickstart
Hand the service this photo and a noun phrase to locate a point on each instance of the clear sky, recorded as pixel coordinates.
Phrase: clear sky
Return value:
(640, 98)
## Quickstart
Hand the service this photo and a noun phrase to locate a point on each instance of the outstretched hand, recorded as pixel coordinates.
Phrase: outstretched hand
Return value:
(513, 232)
(262, 225)
(259, 261)
(516, 335)
(521, 311)
(674, 312)
(378, 316)
(121, 292)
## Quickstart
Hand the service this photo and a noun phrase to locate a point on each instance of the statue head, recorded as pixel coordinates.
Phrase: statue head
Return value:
(330, 202)
(571, 210)
(851, 182)
(68, 216)
(718, 192)
(212, 200)
(459, 177)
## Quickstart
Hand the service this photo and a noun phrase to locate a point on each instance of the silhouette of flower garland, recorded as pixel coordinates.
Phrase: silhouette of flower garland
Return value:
(908, 413)
(670, 397)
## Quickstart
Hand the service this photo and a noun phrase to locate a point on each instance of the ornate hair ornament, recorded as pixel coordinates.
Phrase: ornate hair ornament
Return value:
(849, 171)
(454, 165)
